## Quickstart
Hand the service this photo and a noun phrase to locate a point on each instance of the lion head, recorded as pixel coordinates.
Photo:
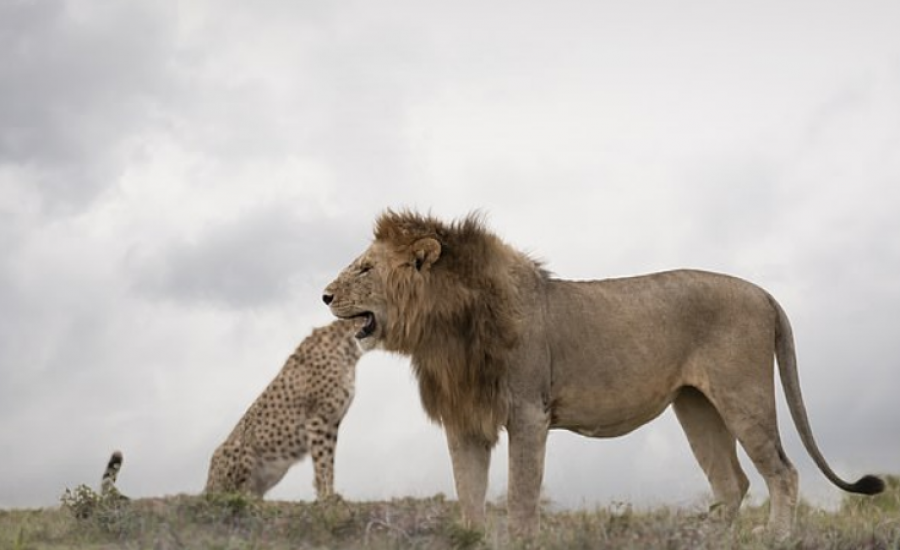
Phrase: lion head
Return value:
(445, 295)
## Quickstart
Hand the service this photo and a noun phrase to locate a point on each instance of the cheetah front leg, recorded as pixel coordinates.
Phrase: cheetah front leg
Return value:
(321, 437)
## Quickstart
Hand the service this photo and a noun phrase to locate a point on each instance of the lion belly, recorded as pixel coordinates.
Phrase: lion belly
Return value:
(594, 413)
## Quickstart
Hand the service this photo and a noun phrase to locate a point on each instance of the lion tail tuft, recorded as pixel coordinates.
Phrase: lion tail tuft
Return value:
(867, 485)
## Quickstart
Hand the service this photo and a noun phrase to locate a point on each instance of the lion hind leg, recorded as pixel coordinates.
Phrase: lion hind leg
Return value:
(781, 480)
(757, 432)
(715, 448)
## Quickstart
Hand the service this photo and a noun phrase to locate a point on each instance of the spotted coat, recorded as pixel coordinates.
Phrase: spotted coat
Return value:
(299, 413)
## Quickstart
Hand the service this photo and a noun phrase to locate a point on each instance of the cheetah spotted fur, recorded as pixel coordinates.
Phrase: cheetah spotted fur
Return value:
(297, 414)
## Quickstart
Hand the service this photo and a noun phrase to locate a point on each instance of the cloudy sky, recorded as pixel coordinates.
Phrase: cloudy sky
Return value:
(179, 181)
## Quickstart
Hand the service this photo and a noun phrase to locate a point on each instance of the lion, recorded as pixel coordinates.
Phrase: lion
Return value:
(497, 342)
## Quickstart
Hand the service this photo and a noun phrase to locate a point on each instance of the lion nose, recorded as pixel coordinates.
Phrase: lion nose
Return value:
(327, 298)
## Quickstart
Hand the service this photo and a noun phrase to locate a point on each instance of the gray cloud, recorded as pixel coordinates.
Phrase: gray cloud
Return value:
(74, 81)
(253, 261)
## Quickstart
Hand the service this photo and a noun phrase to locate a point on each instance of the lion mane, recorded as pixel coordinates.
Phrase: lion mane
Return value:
(458, 323)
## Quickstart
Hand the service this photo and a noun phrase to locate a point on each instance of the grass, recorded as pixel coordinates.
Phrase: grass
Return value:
(86, 520)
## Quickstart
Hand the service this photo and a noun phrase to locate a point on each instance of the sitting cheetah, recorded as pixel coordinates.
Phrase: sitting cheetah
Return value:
(298, 413)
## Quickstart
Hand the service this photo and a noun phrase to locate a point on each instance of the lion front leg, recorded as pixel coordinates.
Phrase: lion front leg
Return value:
(528, 430)
(471, 457)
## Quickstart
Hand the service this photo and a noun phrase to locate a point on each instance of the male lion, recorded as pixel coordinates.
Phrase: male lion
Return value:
(496, 342)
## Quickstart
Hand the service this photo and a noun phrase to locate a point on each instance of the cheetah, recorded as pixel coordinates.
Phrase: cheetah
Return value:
(297, 414)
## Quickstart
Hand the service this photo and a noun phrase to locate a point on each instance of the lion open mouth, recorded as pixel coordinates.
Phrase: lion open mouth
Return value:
(367, 325)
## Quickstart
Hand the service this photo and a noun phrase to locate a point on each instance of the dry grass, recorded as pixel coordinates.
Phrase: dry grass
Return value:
(88, 521)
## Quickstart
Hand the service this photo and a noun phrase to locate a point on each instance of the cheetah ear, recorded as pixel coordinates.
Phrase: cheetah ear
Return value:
(425, 252)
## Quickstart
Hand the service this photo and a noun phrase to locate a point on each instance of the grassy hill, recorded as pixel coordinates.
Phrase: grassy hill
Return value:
(87, 521)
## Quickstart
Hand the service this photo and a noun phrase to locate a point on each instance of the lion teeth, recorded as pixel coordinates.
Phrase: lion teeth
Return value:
(368, 326)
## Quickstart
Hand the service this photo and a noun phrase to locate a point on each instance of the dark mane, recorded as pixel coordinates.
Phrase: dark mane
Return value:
(460, 321)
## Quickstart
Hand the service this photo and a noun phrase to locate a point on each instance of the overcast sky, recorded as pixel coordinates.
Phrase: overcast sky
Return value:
(179, 181)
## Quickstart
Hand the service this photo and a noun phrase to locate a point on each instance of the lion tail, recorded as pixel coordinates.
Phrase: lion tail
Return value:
(790, 381)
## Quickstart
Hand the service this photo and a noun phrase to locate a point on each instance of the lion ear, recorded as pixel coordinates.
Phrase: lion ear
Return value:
(425, 252)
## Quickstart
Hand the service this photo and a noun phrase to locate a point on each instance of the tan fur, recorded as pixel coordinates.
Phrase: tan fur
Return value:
(298, 413)
(496, 342)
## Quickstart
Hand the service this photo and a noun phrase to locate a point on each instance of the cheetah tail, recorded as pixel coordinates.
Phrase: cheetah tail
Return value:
(108, 483)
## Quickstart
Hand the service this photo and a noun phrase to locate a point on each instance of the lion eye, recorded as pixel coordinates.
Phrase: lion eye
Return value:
(365, 269)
